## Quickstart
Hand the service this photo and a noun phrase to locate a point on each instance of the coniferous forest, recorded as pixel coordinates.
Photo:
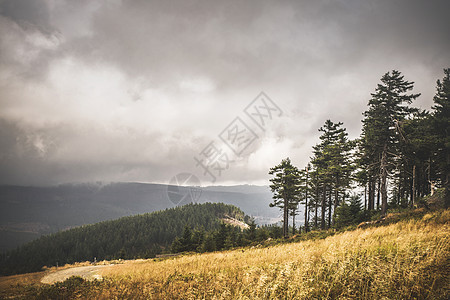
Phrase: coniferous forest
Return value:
(401, 156)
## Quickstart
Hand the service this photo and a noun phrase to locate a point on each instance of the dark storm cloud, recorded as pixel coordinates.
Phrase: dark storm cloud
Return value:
(132, 90)
(56, 154)
(27, 12)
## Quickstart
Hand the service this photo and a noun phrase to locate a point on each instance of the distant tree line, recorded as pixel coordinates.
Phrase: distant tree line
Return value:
(402, 154)
(224, 238)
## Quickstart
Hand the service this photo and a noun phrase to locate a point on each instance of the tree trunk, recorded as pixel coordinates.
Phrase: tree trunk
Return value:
(293, 222)
(371, 205)
(336, 199)
(429, 176)
(446, 184)
(383, 179)
(410, 193)
(365, 196)
(324, 207)
(378, 192)
(405, 191)
(316, 204)
(306, 202)
(286, 219)
(330, 205)
(413, 196)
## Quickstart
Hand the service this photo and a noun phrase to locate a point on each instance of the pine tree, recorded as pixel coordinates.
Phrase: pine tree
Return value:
(381, 134)
(251, 231)
(176, 246)
(441, 122)
(186, 239)
(333, 166)
(221, 236)
(286, 189)
(418, 145)
(197, 239)
(209, 244)
(348, 213)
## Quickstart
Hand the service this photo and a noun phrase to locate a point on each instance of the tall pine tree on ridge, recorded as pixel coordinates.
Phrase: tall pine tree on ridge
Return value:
(381, 134)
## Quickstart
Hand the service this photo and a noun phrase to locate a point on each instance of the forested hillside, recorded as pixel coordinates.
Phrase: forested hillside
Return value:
(128, 237)
(29, 212)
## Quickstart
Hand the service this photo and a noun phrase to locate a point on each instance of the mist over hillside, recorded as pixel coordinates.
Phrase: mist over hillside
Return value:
(29, 212)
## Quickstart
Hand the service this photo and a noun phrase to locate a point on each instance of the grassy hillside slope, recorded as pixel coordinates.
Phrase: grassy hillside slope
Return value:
(406, 260)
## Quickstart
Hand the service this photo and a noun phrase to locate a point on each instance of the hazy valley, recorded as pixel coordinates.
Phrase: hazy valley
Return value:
(29, 212)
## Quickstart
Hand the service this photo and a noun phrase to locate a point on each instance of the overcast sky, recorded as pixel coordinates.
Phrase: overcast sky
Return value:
(136, 90)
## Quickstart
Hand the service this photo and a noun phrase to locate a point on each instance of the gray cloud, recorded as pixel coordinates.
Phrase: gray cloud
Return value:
(27, 13)
(133, 90)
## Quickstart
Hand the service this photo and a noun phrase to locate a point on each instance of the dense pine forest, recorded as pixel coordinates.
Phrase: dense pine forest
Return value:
(401, 156)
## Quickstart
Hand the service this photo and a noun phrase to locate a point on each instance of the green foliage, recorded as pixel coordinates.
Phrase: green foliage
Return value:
(332, 168)
(349, 213)
(224, 238)
(441, 126)
(286, 189)
(382, 130)
(209, 244)
(251, 232)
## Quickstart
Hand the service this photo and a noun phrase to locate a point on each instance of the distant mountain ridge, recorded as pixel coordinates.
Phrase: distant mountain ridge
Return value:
(28, 212)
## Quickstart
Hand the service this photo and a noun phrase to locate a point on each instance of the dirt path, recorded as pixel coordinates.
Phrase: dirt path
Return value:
(88, 272)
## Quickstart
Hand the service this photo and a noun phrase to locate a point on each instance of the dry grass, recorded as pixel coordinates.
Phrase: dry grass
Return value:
(15, 286)
(407, 260)
(7, 282)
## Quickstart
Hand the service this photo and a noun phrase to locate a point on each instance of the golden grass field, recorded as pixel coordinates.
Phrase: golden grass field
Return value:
(406, 260)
